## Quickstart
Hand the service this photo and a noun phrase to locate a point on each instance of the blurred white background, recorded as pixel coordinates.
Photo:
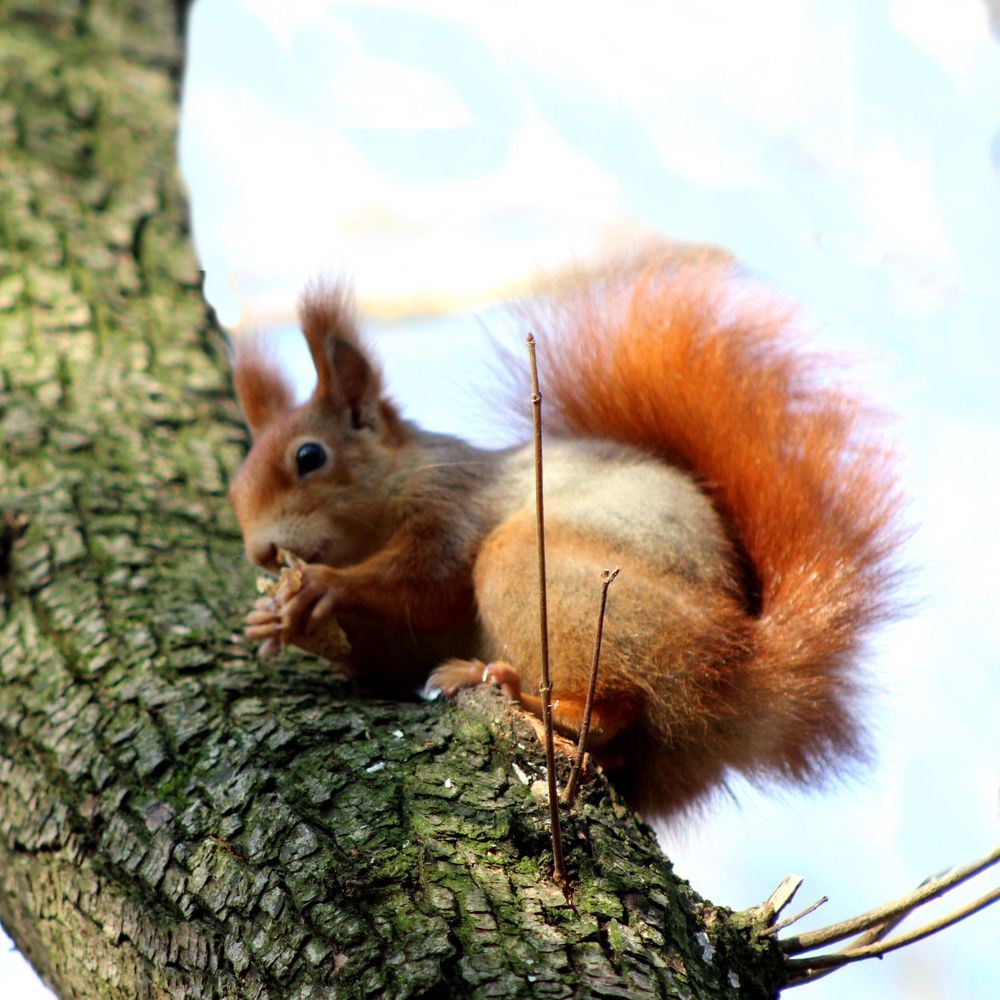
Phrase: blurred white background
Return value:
(442, 154)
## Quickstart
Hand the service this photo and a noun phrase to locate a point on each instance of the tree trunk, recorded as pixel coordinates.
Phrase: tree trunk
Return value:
(178, 819)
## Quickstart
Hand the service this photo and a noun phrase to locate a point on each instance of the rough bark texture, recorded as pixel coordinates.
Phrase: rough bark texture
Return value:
(176, 818)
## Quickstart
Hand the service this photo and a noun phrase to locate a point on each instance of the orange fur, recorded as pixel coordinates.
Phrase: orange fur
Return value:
(752, 517)
(263, 392)
(681, 360)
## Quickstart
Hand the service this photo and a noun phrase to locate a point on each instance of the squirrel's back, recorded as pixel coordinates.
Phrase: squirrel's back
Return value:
(684, 360)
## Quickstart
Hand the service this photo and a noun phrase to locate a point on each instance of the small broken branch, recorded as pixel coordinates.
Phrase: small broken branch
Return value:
(569, 794)
(769, 910)
(545, 688)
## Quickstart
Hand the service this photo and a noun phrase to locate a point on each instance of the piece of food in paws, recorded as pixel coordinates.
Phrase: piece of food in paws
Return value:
(333, 644)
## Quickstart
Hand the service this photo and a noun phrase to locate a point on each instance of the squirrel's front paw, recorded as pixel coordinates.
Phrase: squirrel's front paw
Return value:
(263, 625)
(300, 611)
(453, 675)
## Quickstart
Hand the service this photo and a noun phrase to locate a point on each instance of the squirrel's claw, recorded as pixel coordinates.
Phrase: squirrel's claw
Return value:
(451, 676)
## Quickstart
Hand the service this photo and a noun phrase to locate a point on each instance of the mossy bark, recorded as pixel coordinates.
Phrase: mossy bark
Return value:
(178, 819)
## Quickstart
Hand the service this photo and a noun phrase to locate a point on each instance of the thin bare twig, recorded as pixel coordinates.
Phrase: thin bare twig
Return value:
(569, 793)
(847, 928)
(805, 970)
(869, 937)
(788, 921)
(545, 688)
(879, 931)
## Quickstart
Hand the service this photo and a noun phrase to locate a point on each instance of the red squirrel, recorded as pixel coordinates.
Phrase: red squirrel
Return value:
(688, 440)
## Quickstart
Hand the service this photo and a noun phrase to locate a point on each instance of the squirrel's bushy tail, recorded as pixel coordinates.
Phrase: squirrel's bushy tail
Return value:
(685, 360)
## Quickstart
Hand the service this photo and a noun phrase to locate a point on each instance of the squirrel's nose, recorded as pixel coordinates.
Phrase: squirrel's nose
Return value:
(263, 553)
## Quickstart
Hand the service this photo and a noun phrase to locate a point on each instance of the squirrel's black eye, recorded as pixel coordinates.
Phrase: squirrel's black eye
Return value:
(310, 457)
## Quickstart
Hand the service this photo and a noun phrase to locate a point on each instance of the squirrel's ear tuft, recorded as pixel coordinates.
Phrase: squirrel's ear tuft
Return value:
(346, 379)
(263, 392)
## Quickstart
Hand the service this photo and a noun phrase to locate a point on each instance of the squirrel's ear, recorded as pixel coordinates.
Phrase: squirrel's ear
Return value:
(346, 380)
(263, 392)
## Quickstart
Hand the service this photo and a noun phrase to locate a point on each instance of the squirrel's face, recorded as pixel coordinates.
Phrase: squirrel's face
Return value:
(321, 477)
(315, 487)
